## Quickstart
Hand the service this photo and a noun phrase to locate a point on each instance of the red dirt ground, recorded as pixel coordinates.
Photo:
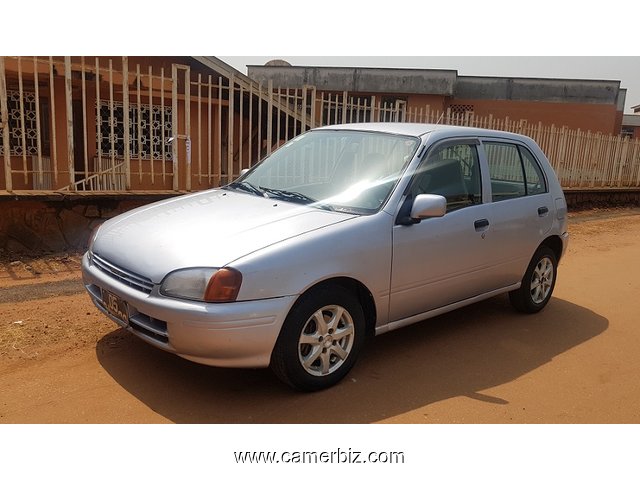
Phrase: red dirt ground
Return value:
(576, 362)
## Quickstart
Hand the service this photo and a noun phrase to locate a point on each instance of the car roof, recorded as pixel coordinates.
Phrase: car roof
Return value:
(413, 129)
(421, 129)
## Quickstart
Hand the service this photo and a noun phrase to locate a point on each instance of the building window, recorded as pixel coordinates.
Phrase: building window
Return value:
(392, 100)
(392, 108)
(461, 109)
(359, 109)
(30, 146)
(627, 132)
(145, 131)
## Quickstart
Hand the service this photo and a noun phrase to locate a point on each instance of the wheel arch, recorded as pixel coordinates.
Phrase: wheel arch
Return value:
(554, 242)
(359, 291)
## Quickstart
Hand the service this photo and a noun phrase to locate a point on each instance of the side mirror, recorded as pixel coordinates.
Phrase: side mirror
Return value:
(428, 206)
(243, 171)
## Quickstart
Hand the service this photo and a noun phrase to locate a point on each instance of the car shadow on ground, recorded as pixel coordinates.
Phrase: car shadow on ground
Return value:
(456, 354)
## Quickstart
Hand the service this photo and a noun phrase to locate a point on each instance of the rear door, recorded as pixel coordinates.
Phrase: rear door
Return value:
(521, 206)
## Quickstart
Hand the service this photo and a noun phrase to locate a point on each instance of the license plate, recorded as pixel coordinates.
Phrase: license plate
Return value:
(115, 306)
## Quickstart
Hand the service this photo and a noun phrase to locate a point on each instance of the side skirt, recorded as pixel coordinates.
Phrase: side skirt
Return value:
(439, 311)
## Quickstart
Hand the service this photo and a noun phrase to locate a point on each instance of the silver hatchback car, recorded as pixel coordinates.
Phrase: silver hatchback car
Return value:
(344, 232)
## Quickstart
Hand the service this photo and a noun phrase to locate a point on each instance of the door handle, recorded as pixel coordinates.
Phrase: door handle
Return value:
(542, 211)
(481, 224)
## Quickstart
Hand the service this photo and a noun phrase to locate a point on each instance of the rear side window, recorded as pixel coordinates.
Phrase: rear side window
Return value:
(514, 171)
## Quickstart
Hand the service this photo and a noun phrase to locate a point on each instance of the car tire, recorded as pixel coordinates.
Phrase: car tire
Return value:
(538, 282)
(320, 339)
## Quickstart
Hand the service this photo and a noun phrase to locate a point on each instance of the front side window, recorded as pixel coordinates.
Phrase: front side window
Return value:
(513, 170)
(453, 172)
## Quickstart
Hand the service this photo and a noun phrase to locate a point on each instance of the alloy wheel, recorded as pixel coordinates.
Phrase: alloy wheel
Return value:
(541, 280)
(326, 340)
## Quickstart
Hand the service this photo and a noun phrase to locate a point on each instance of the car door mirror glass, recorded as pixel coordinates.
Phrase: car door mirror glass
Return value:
(428, 206)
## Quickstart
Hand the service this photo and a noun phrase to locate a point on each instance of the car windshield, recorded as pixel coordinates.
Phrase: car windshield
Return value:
(340, 170)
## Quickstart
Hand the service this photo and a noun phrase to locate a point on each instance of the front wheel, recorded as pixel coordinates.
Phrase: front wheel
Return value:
(538, 282)
(320, 339)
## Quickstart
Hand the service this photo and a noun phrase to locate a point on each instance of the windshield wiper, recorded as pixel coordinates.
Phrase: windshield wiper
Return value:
(248, 187)
(295, 197)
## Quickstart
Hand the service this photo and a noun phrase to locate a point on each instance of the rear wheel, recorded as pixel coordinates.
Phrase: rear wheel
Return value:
(538, 282)
(320, 339)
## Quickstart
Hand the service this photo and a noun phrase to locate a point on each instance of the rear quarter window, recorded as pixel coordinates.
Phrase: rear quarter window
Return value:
(532, 172)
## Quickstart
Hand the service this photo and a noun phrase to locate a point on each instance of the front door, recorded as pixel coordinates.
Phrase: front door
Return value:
(444, 260)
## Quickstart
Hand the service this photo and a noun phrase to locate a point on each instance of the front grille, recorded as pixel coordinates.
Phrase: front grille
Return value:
(128, 278)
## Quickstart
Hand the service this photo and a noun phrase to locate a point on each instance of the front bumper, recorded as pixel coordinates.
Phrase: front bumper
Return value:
(237, 334)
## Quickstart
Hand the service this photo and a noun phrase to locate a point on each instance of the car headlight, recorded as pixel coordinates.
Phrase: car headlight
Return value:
(203, 284)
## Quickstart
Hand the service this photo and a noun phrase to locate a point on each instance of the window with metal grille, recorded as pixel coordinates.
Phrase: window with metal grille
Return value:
(146, 134)
(461, 109)
(28, 115)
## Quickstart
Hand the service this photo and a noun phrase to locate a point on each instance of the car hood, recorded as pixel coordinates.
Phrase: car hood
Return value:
(211, 228)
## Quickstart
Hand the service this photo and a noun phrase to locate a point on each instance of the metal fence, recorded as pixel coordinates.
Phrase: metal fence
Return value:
(107, 124)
